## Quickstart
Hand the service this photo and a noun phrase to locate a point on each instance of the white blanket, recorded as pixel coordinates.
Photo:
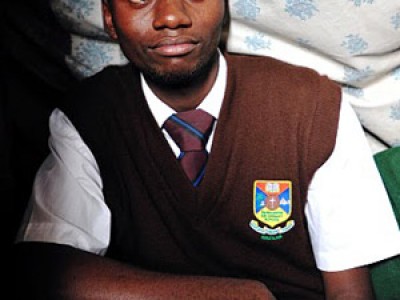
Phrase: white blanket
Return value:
(354, 42)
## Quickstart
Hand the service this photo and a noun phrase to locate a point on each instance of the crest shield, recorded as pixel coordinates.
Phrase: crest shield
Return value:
(272, 201)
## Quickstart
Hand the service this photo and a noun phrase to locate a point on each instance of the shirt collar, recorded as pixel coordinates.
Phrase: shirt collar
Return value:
(212, 102)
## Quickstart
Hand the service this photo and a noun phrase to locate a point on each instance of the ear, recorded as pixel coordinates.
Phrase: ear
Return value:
(108, 20)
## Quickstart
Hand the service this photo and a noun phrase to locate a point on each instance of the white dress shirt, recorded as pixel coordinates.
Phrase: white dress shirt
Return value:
(351, 222)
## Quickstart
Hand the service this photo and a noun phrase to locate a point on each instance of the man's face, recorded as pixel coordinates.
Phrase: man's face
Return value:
(170, 41)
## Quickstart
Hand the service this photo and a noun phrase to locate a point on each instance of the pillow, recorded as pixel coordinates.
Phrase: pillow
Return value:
(354, 42)
(91, 48)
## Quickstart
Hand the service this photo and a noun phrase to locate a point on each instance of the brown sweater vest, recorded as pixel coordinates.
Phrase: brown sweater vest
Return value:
(277, 122)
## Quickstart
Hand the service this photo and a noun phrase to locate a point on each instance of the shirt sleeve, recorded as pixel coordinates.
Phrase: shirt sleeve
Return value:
(67, 204)
(350, 218)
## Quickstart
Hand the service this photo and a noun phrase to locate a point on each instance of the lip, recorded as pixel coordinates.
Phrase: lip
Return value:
(174, 46)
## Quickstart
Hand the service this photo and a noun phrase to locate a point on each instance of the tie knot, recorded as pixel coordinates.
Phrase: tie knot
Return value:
(190, 129)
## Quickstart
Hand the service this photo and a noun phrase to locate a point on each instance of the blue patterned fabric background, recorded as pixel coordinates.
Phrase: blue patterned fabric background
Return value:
(91, 48)
(354, 42)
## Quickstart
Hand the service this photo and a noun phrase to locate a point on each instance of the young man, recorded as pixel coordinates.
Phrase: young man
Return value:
(290, 201)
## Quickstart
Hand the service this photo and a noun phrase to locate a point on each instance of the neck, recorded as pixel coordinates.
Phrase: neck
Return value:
(186, 96)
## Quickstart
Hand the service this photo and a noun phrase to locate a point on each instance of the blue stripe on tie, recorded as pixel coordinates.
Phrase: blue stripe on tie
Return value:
(197, 181)
(188, 127)
(181, 155)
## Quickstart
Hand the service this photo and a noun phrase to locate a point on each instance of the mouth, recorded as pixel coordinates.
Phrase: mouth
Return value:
(174, 46)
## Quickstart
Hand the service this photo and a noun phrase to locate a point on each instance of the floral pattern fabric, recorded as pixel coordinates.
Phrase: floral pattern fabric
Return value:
(91, 48)
(354, 42)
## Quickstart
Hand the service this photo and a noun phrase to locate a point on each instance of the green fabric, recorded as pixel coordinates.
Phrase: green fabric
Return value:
(386, 274)
(388, 163)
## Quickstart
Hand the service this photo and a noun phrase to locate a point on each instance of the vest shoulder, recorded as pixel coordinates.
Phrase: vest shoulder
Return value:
(100, 88)
(107, 78)
(93, 99)
(264, 68)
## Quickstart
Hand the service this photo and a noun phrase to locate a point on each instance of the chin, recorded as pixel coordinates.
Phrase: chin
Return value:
(172, 79)
(176, 76)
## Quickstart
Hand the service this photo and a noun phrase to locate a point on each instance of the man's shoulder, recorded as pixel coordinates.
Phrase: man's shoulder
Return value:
(264, 69)
(101, 87)
(261, 64)
(111, 76)
(96, 96)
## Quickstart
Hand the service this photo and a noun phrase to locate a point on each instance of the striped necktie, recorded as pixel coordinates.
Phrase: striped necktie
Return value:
(190, 130)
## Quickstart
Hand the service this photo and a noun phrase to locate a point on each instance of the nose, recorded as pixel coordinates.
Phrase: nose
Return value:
(171, 14)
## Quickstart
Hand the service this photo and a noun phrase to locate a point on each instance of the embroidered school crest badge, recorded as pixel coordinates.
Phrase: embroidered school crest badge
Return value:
(272, 206)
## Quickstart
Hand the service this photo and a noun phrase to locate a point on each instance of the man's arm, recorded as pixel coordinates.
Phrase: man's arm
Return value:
(341, 238)
(51, 271)
(352, 284)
